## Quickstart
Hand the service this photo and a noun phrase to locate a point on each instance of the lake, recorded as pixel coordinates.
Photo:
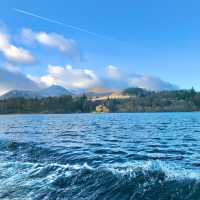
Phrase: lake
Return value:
(141, 156)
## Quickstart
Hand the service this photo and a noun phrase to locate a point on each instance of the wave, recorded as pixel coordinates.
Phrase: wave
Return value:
(132, 181)
(44, 152)
(26, 151)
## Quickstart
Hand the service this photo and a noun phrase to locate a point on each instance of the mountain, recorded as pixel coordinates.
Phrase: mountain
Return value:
(57, 91)
(53, 91)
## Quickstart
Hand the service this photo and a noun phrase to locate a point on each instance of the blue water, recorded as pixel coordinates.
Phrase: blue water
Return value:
(152, 156)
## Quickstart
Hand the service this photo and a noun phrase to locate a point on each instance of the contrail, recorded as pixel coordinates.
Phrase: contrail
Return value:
(60, 23)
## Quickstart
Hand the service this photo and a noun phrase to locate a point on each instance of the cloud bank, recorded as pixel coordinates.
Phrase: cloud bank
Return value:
(76, 78)
(151, 83)
(116, 79)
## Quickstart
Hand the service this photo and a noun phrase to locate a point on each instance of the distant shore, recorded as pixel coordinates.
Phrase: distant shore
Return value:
(137, 101)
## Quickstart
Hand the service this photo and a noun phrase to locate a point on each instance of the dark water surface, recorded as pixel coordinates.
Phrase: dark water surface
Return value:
(100, 157)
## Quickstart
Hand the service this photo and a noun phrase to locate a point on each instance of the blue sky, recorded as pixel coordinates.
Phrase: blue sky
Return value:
(139, 38)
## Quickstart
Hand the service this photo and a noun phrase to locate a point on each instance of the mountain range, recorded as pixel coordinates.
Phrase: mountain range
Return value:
(52, 91)
(56, 91)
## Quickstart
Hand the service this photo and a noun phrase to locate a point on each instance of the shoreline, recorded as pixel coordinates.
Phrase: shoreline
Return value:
(96, 113)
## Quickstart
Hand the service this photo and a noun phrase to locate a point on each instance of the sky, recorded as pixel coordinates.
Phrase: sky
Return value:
(151, 44)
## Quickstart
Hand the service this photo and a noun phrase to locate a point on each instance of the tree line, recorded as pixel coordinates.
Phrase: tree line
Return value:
(140, 101)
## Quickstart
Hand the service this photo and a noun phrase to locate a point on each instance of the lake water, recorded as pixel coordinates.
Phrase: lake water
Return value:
(152, 156)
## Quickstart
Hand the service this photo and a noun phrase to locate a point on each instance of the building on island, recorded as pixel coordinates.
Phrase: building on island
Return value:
(102, 109)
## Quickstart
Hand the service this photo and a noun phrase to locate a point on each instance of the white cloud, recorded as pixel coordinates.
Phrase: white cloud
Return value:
(14, 80)
(113, 72)
(118, 80)
(12, 53)
(52, 40)
(152, 83)
(70, 78)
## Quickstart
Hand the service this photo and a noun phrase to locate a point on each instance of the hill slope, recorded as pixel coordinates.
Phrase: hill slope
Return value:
(53, 91)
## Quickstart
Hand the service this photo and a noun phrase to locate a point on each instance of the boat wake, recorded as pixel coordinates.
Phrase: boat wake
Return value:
(138, 181)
